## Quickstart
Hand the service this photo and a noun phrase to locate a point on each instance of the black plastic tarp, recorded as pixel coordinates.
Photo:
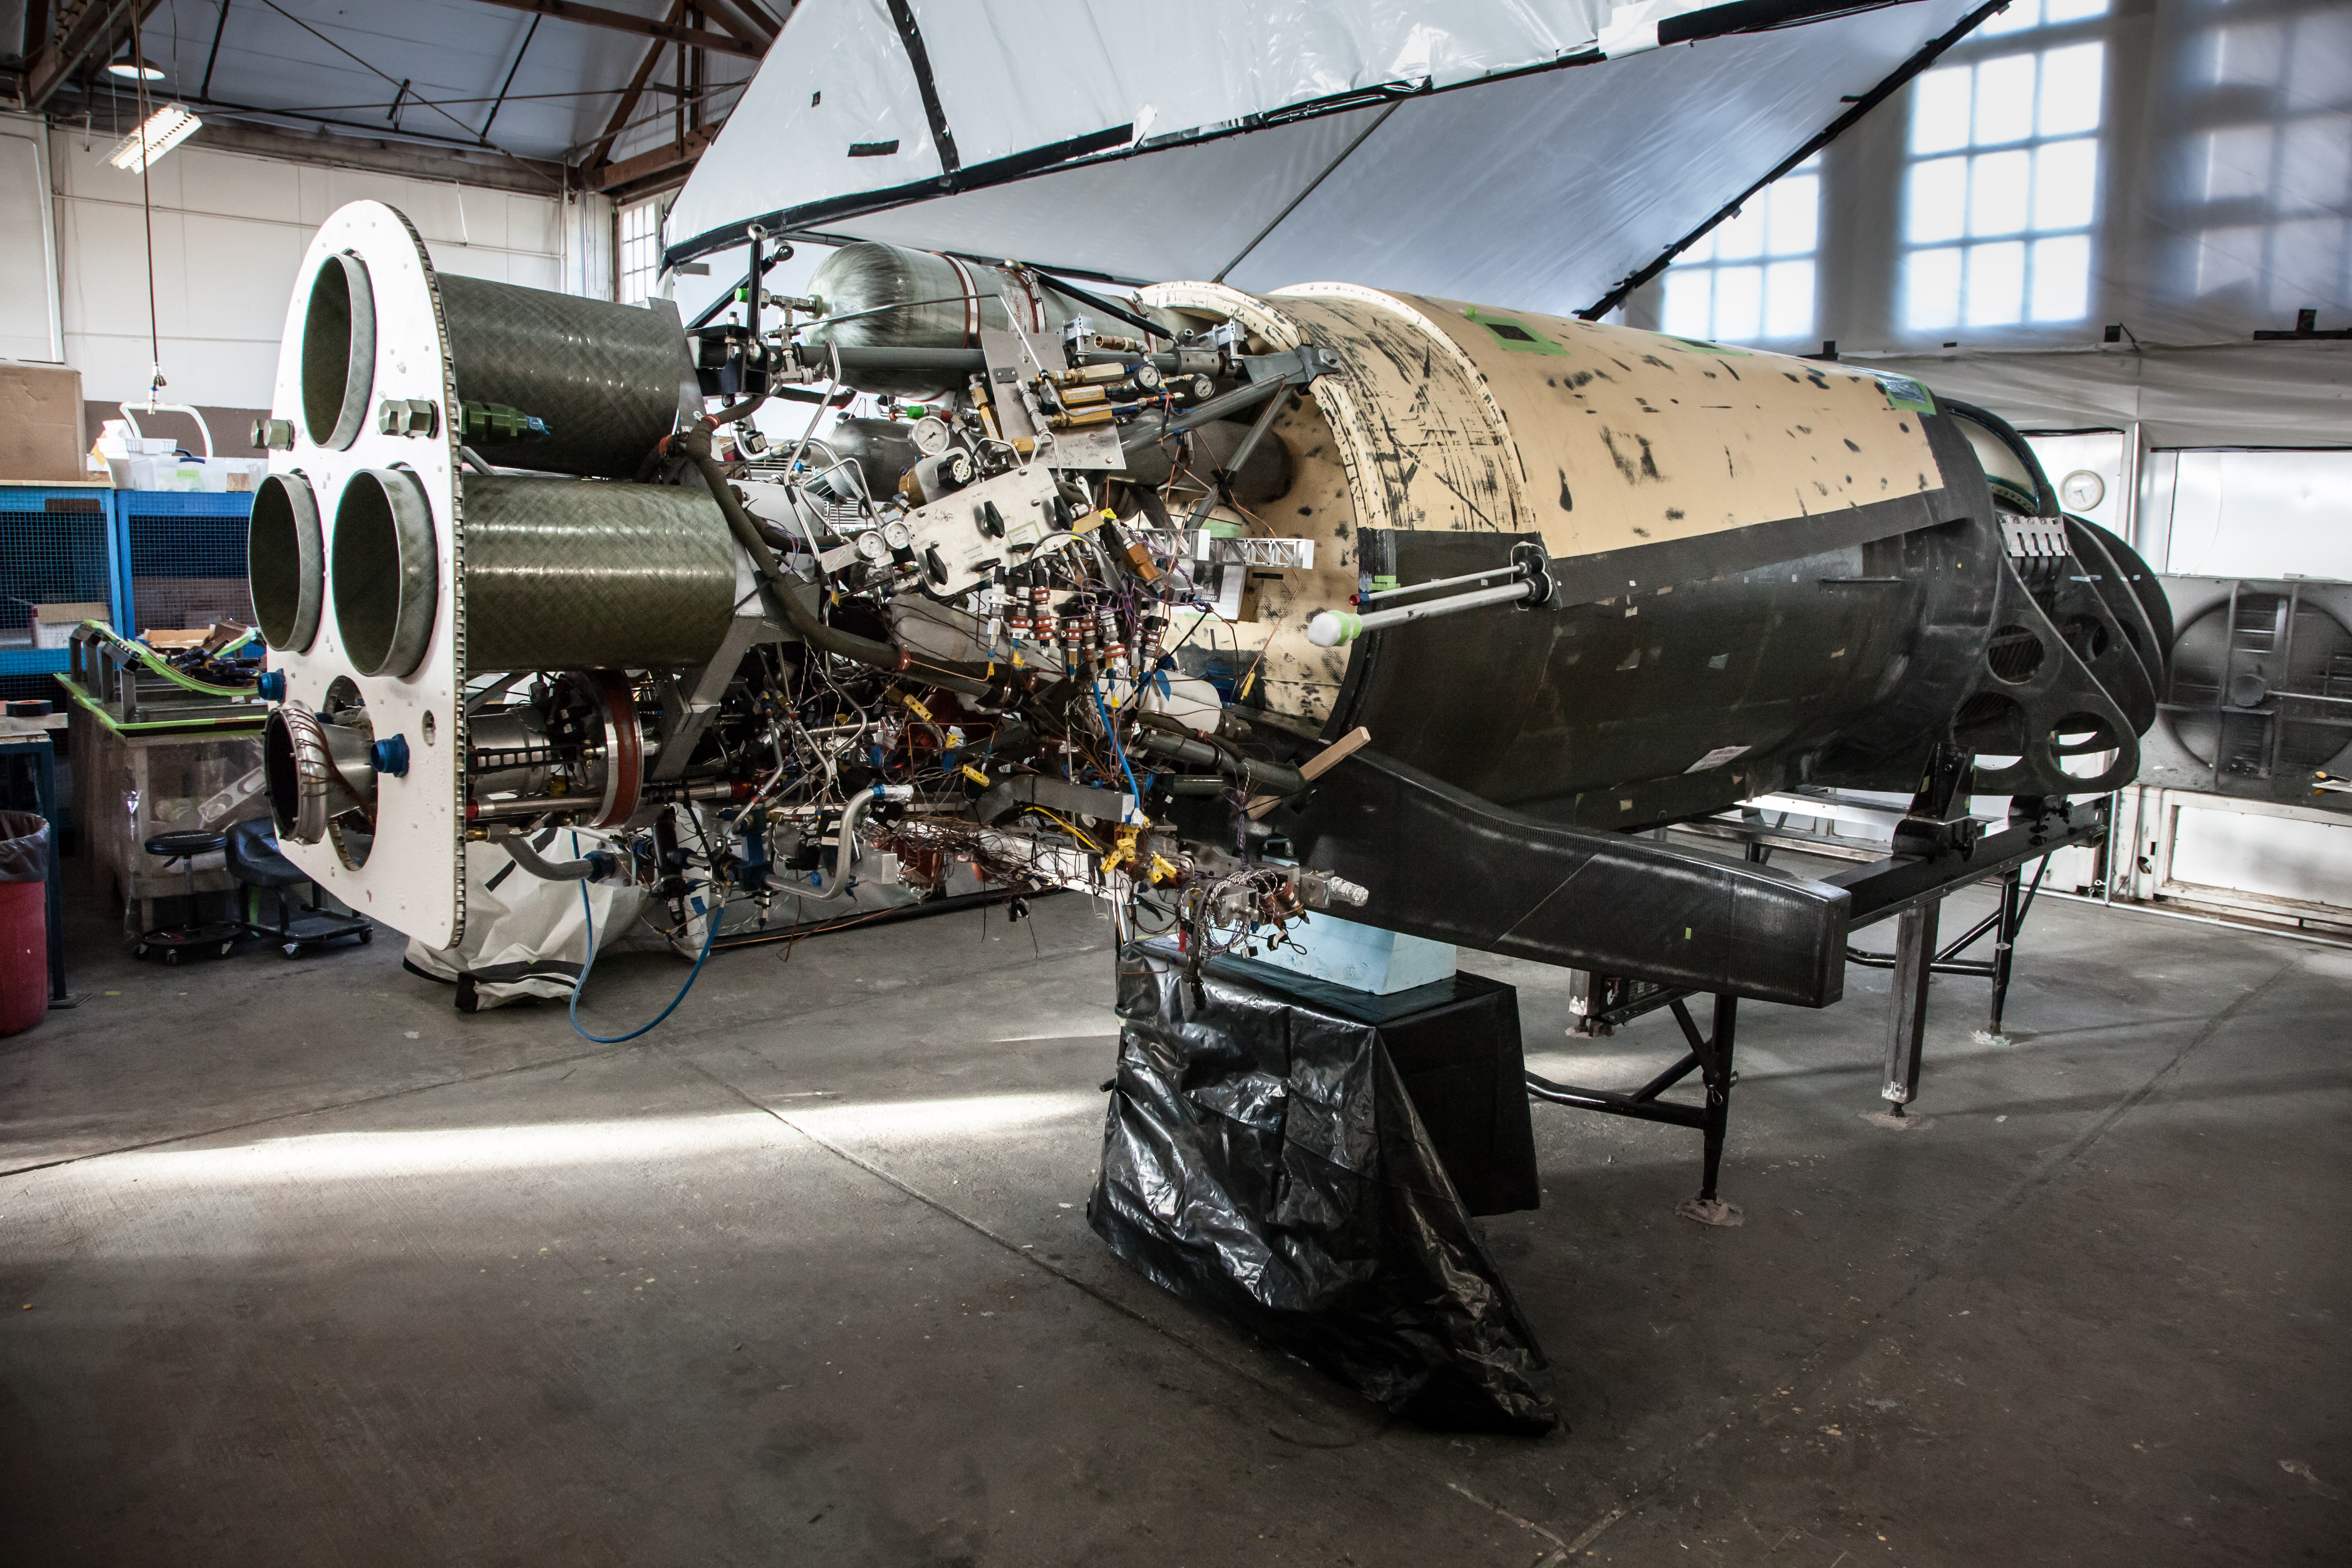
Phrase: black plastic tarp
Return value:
(24, 846)
(1262, 1157)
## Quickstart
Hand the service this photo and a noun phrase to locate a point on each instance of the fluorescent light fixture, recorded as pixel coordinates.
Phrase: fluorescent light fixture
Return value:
(164, 129)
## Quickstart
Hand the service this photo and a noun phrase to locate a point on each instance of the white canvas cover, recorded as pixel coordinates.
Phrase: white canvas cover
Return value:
(1531, 151)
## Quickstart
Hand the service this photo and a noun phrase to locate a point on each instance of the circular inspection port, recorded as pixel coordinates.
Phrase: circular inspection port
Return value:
(385, 573)
(286, 562)
(338, 351)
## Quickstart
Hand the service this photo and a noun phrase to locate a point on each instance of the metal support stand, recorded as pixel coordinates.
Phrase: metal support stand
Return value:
(1710, 1055)
(1906, 1026)
(1915, 938)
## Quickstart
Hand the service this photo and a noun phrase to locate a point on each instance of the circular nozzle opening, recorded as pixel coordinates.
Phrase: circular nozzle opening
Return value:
(320, 772)
(338, 351)
(286, 561)
(385, 571)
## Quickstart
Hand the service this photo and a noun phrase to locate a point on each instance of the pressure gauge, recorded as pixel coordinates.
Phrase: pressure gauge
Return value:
(1147, 378)
(898, 537)
(870, 547)
(930, 434)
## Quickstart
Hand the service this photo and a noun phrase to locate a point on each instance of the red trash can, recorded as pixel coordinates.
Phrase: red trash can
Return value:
(24, 921)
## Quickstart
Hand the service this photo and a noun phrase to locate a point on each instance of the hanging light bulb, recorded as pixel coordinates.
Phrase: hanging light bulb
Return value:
(127, 65)
(163, 131)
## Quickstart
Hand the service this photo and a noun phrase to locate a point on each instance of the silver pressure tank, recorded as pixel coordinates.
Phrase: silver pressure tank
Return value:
(882, 296)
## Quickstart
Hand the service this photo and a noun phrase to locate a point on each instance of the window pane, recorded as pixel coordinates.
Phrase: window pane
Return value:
(1939, 109)
(1931, 289)
(1743, 237)
(2315, 164)
(1794, 217)
(1739, 303)
(2062, 277)
(1996, 285)
(2057, 11)
(2248, 54)
(1937, 207)
(2228, 257)
(2066, 180)
(1690, 308)
(2004, 107)
(1789, 300)
(2070, 81)
(1997, 184)
(2306, 263)
(2238, 162)
(2021, 15)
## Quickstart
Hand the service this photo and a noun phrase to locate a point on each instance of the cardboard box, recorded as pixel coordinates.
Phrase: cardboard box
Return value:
(42, 436)
(53, 624)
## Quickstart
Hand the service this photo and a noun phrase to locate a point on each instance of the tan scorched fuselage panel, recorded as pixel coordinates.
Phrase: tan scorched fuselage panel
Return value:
(1601, 440)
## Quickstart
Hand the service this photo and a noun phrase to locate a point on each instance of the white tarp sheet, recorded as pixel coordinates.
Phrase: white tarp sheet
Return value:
(1213, 132)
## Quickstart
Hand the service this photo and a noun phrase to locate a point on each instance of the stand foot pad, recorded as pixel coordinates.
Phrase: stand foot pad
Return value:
(1712, 1211)
(1987, 1037)
(1895, 1123)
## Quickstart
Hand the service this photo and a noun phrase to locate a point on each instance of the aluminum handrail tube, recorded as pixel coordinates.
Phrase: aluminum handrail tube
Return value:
(1330, 629)
(1509, 571)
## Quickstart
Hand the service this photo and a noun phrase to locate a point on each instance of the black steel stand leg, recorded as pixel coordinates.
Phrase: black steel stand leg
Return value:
(1915, 955)
(2004, 939)
(1715, 1071)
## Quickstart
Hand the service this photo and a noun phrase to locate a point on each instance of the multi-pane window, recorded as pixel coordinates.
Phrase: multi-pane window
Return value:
(2268, 192)
(1751, 279)
(2001, 191)
(638, 259)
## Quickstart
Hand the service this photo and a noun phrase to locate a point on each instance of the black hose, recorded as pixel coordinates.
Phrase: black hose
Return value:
(1272, 778)
(520, 851)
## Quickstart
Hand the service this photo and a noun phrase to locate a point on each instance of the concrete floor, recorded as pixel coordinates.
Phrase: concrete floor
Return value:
(300, 1266)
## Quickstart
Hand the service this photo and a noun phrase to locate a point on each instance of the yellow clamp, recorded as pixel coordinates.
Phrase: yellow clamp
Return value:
(1161, 872)
(916, 709)
(1121, 852)
(975, 775)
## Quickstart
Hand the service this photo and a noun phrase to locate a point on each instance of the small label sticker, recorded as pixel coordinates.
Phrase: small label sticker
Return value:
(1715, 758)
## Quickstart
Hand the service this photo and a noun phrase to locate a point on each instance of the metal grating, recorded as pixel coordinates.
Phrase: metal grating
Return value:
(52, 551)
(187, 558)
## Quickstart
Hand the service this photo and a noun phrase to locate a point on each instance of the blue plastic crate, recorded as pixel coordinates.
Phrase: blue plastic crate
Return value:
(183, 554)
(57, 546)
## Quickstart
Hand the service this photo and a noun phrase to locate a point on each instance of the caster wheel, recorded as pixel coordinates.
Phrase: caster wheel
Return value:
(367, 936)
(172, 957)
(292, 949)
(139, 951)
(226, 948)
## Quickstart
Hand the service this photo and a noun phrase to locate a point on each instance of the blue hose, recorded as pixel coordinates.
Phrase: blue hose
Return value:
(710, 935)
(1116, 749)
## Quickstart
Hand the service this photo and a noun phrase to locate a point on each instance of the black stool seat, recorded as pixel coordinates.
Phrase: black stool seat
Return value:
(186, 846)
(196, 937)
(255, 860)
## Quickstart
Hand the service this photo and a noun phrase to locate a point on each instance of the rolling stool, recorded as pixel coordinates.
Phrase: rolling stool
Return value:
(198, 938)
(254, 860)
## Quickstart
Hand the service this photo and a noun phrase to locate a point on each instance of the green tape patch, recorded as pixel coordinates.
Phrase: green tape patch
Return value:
(1901, 392)
(1515, 334)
